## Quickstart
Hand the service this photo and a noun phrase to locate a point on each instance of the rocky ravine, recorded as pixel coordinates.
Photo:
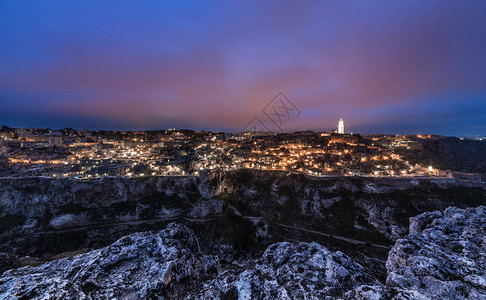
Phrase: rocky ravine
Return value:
(444, 256)
(42, 217)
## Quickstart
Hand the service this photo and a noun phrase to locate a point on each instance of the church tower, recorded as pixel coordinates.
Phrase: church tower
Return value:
(341, 126)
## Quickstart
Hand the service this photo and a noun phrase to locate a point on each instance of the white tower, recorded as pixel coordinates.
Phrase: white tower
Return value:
(341, 126)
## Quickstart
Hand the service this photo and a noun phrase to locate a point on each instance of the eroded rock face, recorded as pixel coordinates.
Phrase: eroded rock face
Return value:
(291, 271)
(205, 208)
(33, 210)
(443, 257)
(137, 266)
(69, 221)
(8, 261)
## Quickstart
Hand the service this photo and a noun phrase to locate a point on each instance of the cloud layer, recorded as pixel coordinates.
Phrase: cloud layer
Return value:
(383, 66)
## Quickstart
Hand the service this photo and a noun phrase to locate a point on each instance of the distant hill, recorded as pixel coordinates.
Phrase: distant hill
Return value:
(455, 154)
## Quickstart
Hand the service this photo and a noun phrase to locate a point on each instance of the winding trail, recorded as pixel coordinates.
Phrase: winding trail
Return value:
(111, 224)
(134, 222)
(212, 218)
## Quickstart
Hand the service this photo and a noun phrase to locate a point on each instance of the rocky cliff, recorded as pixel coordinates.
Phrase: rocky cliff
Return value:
(138, 266)
(169, 264)
(355, 207)
(291, 271)
(443, 257)
(39, 197)
(40, 215)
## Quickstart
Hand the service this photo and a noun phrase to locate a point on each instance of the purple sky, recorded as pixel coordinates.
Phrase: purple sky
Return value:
(383, 66)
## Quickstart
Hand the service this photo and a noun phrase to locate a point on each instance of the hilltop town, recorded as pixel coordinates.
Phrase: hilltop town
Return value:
(70, 153)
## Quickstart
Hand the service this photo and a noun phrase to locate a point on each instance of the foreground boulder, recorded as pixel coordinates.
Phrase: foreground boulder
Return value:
(293, 271)
(138, 266)
(443, 257)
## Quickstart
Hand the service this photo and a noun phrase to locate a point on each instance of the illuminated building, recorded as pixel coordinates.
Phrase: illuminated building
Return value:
(341, 126)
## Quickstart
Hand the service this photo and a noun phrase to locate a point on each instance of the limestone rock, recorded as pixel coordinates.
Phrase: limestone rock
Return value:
(138, 266)
(291, 271)
(443, 257)
(205, 208)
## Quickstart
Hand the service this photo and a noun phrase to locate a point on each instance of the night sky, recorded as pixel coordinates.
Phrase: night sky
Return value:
(383, 66)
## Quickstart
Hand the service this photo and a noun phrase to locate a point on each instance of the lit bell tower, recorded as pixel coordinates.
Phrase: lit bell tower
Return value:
(341, 126)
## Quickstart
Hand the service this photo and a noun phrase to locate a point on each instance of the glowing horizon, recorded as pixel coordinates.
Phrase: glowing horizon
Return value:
(404, 68)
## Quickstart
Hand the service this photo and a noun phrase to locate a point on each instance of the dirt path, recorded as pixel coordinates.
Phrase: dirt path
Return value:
(151, 221)
(139, 222)
(103, 225)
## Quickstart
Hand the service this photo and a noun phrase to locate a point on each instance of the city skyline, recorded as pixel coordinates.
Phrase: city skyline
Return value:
(336, 130)
(384, 67)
